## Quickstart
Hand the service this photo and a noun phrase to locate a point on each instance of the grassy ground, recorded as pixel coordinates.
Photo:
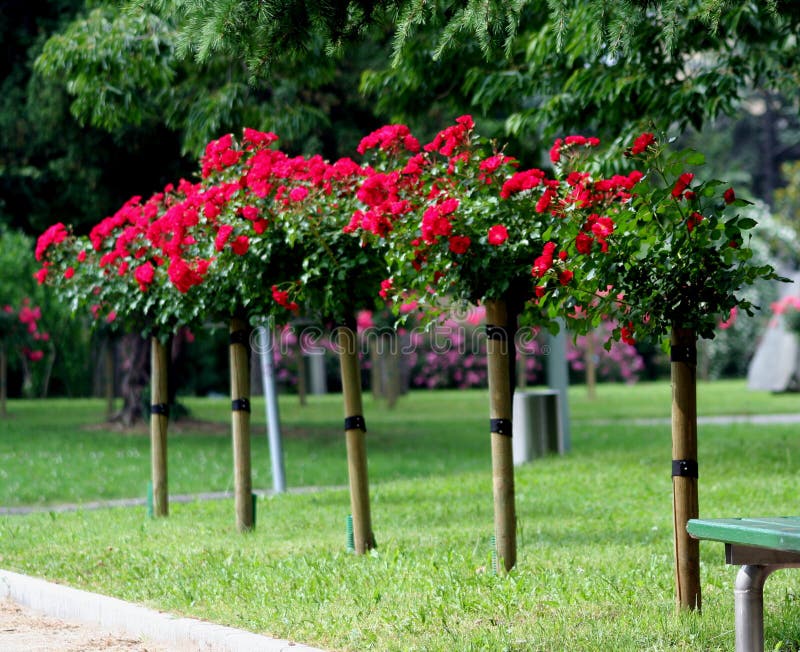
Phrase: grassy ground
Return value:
(595, 557)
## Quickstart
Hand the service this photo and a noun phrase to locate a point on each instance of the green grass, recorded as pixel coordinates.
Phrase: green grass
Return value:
(60, 451)
(595, 533)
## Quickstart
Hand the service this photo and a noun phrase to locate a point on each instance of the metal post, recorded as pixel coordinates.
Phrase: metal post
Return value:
(748, 595)
(558, 378)
(271, 407)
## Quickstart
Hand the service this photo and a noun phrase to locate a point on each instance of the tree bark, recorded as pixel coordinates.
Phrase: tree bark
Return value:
(159, 422)
(134, 374)
(240, 424)
(500, 327)
(355, 435)
(684, 466)
(591, 367)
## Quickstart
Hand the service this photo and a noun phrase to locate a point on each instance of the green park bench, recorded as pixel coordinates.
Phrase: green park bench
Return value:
(760, 546)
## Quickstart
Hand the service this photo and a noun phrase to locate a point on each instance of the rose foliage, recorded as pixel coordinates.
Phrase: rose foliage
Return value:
(425, 225)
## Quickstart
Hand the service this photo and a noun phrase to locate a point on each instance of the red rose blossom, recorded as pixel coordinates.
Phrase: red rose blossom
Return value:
(498, 234)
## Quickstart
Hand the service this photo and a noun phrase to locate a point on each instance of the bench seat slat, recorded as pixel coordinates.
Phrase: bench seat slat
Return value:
(775, 533)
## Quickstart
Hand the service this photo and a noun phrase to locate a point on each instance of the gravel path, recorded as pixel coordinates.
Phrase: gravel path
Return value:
(24, 630)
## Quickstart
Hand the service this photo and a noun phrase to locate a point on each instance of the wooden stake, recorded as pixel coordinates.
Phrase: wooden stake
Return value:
(159, 421)
(363, 538)
(240, 424)
(684, 456)
(3, 383)
(591, 367)
(500, 397)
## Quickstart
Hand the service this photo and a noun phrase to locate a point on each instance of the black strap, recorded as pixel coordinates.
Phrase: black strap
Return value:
(686, 354)
(240, 405)
(684, 468)
(501, 426)
(355, 423)
(160, 408)
(497, 332)
(241, 336)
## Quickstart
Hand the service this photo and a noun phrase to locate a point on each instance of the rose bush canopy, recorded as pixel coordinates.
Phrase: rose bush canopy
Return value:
(263, 233)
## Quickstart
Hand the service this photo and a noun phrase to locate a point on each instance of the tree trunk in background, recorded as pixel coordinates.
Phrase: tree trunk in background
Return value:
(591, 366)
(240, 424)
(684, 466)
(3, 383)
(134, 375)
(159, 421)
(390, 369)
(522, 370)
(376, 369)
(500, 330)
(355, 434)
(108, 367)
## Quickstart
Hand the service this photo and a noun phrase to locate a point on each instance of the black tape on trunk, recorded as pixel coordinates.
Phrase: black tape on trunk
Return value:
(497, 333)
(501, 426)
(686, 354)
(160, 408)
(241, 337)
(240, 405)
(355, 423)
(684, 468)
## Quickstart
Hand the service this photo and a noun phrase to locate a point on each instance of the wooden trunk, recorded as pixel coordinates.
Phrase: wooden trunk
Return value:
(159, 421)
(684, 472)
(355, 434)
(498, 352)
(240, 424)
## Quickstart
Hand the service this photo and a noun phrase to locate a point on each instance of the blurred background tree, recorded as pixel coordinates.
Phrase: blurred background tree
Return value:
(103, 100)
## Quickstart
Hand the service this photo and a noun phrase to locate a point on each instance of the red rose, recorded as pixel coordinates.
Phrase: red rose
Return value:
(298, 194)
(144, 275)
(459, 244)
(729, 196)
(681, 184)
(240, 245)
(498, 234)
(693, 220)
(69, 273)
(642, 143)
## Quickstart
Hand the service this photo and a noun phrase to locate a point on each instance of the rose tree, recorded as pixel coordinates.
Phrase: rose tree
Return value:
(477, 229)
(679, 261)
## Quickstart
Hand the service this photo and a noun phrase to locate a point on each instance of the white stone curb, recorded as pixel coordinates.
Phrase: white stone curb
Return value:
(129, 619)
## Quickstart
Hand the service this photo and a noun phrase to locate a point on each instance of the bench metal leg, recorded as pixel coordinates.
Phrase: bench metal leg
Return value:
(748, 594)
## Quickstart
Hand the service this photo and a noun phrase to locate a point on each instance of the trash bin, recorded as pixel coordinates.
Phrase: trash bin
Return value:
(537, 428)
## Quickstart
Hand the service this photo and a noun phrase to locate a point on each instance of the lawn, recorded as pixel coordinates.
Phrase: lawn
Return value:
(595, 533)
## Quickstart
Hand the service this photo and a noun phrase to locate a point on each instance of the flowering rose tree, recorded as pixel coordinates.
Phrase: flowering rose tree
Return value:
(463, 224)
(325, 207)
(678, 261)
(19, 332)
(181, 258)
(118, 274)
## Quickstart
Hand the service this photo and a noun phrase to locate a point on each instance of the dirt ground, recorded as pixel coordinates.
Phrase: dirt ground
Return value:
(23, 630)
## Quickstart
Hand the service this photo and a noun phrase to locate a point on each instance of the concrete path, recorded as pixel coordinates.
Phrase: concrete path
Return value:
(723, 420)
(40, 616)
(141, 502)
(79, 620)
